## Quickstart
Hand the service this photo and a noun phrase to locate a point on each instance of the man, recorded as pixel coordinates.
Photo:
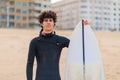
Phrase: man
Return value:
(47, 49)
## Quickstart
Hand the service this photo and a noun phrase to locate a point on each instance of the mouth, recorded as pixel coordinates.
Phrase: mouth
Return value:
(48, 26)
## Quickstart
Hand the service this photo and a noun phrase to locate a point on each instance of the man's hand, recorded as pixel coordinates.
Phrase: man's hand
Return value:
(86, 22)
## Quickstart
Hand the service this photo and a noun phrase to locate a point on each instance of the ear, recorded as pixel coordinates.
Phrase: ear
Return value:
(41, 25)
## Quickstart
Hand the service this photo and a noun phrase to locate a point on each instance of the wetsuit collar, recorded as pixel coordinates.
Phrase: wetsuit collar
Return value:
(46, 35)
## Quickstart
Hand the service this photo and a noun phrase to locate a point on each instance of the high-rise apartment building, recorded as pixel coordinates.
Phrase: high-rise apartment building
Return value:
(67, 13)
(116, 14)
(21, 13)
(102, 14)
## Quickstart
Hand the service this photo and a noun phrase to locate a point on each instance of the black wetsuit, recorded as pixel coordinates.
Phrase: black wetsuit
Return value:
(47, 49)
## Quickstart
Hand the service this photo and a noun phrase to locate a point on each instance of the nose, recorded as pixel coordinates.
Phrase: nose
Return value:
(48, 21)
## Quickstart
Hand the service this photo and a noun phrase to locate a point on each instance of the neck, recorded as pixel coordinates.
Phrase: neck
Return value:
(47, 32)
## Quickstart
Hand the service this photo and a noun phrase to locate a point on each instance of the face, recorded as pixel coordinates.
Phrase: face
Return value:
(48, 24)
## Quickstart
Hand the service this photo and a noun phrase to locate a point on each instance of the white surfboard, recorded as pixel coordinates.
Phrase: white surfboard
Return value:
(93, 62)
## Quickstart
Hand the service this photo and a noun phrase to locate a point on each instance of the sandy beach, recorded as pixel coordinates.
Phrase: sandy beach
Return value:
(14, 45)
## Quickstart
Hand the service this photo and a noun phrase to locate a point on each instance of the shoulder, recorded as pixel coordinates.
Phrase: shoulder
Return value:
(62, 38)
(34, 40)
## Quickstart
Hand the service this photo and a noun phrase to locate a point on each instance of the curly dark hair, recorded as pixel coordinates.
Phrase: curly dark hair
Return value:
(47, 14)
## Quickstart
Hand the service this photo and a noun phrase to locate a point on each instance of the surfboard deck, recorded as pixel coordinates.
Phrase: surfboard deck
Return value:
(93, 61)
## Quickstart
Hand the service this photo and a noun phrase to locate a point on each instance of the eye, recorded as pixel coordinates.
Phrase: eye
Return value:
(51, 20)
(45, 20)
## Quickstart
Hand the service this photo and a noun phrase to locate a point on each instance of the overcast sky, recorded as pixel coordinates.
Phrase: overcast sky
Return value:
(53, 1)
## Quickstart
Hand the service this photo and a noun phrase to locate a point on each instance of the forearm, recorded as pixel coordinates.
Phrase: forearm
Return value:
(29, 71)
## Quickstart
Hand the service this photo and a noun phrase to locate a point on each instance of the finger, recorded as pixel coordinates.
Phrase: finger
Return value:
(86, 22)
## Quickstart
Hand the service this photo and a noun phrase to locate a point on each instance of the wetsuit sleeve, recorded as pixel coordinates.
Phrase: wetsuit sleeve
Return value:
(30, 60)
(66, 42)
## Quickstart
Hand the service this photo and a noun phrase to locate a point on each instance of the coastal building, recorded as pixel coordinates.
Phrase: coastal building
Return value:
(102, 14)
(22, 13)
